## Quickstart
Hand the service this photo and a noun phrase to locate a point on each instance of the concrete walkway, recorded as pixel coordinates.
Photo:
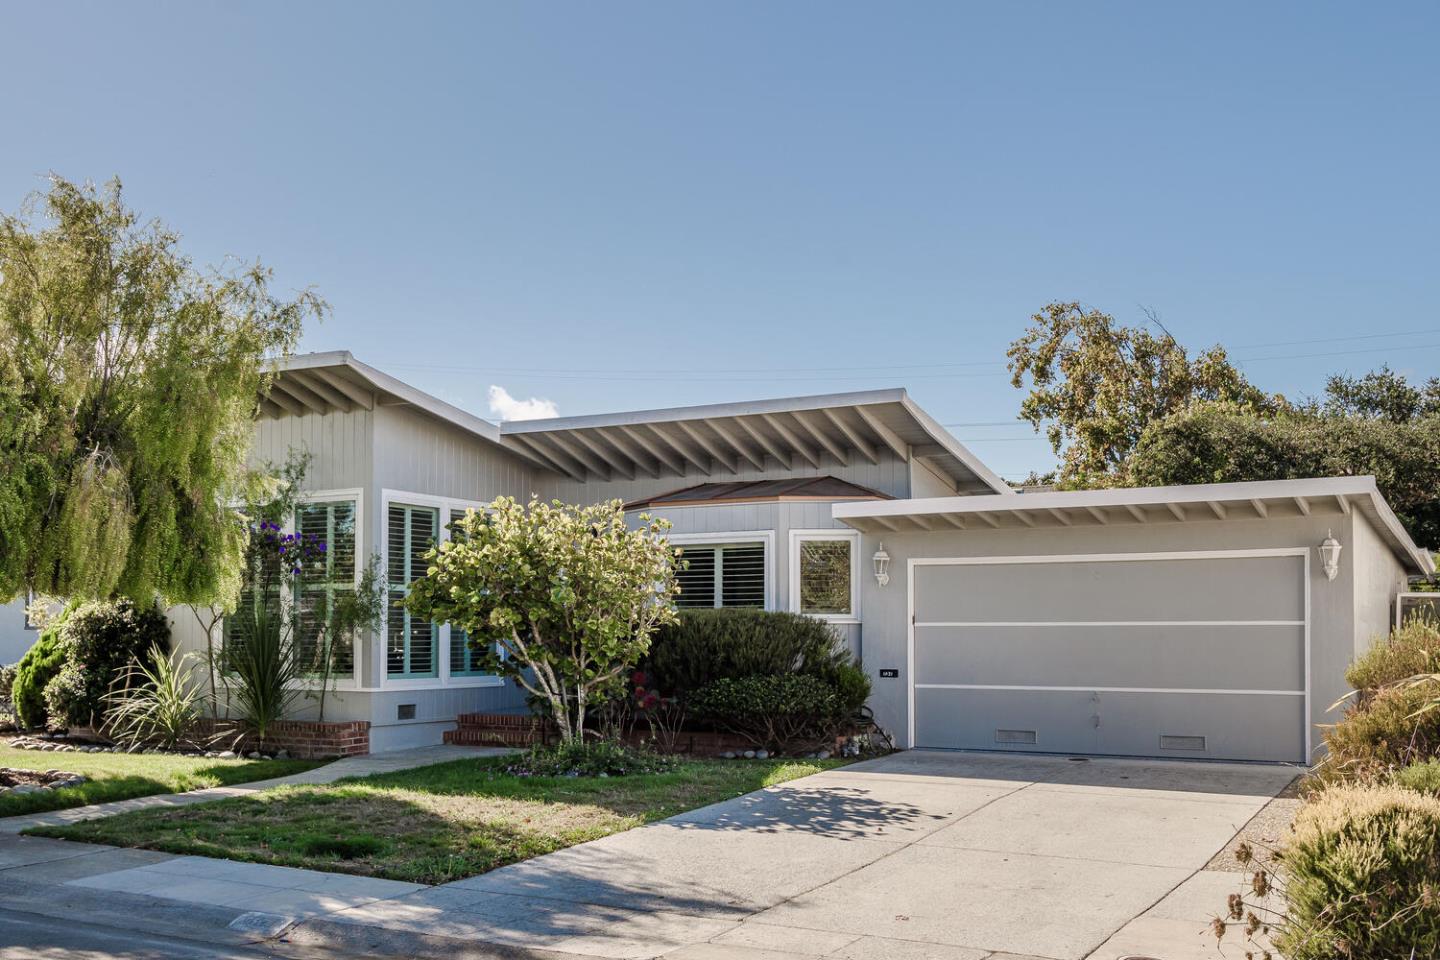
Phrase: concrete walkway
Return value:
(917, 856)
(329, 773)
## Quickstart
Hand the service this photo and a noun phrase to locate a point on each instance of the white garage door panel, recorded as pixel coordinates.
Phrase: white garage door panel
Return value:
(1101, 592)
(1194, 655)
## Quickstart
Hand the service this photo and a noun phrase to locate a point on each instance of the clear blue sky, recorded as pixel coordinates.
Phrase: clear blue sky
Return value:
(620, 205)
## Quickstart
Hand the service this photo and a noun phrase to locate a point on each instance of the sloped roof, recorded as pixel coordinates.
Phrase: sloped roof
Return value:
(807, 433)
(824, 488)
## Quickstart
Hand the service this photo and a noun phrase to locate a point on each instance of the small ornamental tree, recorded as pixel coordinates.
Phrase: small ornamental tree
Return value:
(561, 598)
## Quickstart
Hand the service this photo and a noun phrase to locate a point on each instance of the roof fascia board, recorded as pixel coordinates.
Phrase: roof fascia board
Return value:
(1362, 486)
(957, 449)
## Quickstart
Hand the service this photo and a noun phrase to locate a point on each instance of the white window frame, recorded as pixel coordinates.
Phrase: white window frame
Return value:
(765, 537)
(797, 537)
(357, 494)
(443, 506)
(1404, 595)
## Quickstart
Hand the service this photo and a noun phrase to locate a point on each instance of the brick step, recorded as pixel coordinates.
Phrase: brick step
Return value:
(478, 737)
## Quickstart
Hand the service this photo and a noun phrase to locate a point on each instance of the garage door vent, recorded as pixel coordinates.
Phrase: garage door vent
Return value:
(1014, 736)
(1181, 743)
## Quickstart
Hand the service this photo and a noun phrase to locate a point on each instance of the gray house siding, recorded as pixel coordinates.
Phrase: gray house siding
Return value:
(15, 636)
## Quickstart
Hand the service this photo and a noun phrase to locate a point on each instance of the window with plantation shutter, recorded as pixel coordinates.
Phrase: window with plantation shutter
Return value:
(328, 577)
(409, 641)
(464, 658)
(722, 575)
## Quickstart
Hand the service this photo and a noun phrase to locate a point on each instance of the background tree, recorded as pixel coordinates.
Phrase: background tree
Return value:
(1380, 394)
(128, 383)
(1219, 443)
(569, 595)
(1094, 386)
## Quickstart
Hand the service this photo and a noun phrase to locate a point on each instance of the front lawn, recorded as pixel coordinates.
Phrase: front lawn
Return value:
(120, 776)
(433, 824)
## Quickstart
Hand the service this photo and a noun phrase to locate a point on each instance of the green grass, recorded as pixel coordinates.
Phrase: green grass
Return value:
(432, 824)
(120, 776)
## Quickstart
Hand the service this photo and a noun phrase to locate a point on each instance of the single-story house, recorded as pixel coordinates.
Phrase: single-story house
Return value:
(1205, 621)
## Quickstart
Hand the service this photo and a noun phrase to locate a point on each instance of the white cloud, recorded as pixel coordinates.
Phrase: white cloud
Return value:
(505, 407)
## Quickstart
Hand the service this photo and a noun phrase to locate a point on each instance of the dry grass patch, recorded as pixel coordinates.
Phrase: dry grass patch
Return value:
(433, 824)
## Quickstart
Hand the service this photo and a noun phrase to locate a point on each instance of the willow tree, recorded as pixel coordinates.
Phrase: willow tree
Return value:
(128, 384)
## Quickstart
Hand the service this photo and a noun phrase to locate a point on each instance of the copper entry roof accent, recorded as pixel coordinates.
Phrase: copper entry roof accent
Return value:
(825, 488)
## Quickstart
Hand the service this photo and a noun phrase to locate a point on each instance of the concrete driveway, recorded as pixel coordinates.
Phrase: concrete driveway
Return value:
(940, 856)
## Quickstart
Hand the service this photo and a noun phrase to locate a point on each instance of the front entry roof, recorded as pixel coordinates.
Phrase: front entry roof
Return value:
(1138, 505)
(827, 489)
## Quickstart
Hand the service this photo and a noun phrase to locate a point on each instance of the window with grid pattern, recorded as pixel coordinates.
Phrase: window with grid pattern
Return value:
(722, 575)
(464, 658)
(323, 580)
(409, 641)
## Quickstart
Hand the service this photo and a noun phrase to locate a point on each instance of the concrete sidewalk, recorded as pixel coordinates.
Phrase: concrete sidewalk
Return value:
(329, 773)
(917, 856)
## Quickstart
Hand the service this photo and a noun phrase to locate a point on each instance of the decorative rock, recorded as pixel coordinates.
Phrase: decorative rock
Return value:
(749, 754)
(226, 754)
(728, 755)
(24, 788)
(255, 755)
(282, 755)
(822, 754)
(762, 754)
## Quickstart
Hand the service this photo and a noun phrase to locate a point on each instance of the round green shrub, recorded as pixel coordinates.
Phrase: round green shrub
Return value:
(1421, 777)
(1362, 876)
(99, 641)
(34, 671)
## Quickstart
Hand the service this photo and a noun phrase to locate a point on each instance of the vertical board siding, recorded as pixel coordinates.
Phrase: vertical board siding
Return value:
(419, 454)
(340, 446)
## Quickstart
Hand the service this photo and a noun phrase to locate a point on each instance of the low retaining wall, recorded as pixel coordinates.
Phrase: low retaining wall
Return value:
(305, 739)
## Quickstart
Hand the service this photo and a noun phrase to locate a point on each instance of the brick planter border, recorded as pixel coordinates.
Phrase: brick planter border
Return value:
(305, 739)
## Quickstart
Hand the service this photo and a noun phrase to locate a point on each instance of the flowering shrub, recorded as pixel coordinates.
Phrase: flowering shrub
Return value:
(665, 715)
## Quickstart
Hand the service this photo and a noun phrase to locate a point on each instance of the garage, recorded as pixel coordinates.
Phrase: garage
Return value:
(1206, 622)
(1192, 654)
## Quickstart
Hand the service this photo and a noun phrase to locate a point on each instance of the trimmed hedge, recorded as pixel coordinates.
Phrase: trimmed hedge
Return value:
(778, 712)
(1363, 876)
(703, 646)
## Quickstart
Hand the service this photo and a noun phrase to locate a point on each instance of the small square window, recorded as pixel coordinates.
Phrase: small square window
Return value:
(826, 577)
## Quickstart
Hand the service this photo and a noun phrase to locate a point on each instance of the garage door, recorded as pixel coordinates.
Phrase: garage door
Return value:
(1180, 655)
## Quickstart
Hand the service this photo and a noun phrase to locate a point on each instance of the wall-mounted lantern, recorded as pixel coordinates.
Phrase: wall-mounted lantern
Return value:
(1330, 555)
(882, 566)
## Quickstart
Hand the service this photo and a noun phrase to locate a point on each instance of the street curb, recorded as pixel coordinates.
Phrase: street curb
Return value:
(125, 911)
(356, 939)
